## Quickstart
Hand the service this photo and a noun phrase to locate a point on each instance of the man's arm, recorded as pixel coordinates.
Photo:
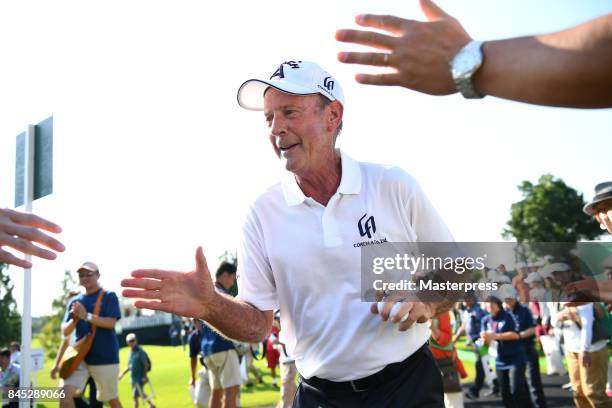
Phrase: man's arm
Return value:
(569, 68)
(192, 294)
(103, 322)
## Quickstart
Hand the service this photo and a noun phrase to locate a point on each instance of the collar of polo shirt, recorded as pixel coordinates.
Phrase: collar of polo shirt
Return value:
(350, 182)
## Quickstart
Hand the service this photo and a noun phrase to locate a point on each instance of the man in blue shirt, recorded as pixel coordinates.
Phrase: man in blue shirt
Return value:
(526, 330)
(470, 324)
(502, 329)
(219, 353)
(102, 360)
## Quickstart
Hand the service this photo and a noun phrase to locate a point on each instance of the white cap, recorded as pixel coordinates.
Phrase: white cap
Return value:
(520, 265)
(533, 277)
(293, 77)
(546, 272)
(507, 292)
(130, 337)
(501, 278)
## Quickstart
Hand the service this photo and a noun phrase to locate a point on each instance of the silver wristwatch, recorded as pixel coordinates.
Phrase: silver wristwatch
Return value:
(463, 67)
(89, 317)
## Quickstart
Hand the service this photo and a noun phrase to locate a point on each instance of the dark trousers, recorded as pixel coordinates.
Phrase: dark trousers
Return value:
(533, 377)
(480, 375)
(419, 385)
(513, 384)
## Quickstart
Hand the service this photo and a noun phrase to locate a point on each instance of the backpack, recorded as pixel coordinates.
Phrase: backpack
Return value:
(147, 359)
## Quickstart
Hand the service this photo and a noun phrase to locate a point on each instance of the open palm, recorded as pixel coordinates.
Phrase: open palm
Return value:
(182, 293)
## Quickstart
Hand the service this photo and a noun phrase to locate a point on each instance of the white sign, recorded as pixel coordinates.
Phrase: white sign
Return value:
(38, 359)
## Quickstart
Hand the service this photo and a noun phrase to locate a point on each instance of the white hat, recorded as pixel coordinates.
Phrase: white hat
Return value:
(501, 278)
(130, 337)
(293, 77)
(546, 272)
(507, 292)
(520, 265)
(533, 277)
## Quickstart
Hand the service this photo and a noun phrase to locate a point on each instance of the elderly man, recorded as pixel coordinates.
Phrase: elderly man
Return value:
(300, 252)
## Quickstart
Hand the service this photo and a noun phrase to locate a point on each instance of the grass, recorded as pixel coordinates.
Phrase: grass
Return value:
(170, 375)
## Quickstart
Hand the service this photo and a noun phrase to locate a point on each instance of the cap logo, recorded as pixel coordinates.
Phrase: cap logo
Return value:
(280, 72)
(328, 84)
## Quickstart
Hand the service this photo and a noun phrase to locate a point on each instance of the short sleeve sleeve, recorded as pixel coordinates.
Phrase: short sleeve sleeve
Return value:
(67, 313)
(256, 284)
(424, 218)
(111, 306)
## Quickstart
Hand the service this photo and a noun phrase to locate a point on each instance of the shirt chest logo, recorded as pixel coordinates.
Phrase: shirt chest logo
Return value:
(367, 227)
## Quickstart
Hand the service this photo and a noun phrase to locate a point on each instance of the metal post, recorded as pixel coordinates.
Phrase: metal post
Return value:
(26, 317)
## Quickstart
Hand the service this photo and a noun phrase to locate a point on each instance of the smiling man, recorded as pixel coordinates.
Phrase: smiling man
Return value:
(300, 253)
(102, 360)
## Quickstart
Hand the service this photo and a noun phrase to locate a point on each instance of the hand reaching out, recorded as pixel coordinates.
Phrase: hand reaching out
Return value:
(20, 231)
(182, 293)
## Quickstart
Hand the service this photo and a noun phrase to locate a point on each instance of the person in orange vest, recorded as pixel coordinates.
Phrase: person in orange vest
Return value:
(443, 350)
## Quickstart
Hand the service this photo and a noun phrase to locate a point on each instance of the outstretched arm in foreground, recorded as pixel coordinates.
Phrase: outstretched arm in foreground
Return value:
(192, 294)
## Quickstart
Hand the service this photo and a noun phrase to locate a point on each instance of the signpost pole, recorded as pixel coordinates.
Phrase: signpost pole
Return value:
(26, 317)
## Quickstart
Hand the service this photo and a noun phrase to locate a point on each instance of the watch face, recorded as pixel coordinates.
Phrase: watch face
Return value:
(467, 61)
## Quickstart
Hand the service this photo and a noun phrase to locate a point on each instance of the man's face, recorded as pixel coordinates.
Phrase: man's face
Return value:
(227, 279)
(299, 130)
(132, 343)
(88, 279)
(4, 361)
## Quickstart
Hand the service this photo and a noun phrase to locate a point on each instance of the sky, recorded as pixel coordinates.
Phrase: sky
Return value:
(153, 156)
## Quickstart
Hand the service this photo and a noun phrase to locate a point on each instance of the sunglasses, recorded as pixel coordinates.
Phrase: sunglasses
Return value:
(86, 274)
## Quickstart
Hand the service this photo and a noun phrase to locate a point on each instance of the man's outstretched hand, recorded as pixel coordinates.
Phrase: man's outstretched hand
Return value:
(20, 231)
(421, 52)
(183, 293)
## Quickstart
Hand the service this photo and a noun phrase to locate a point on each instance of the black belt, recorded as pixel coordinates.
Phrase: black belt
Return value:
(390, 372)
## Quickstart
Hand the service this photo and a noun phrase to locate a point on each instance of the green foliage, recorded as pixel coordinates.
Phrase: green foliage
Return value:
(550, 211)
(10, 320)
(50, 334)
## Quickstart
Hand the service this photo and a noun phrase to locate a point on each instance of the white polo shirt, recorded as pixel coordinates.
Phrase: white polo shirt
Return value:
(304, 258)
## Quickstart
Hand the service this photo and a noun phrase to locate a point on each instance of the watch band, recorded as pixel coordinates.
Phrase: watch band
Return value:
(462, 76)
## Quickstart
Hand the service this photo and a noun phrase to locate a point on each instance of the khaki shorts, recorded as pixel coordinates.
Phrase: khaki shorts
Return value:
(223, 369)
(105, 376)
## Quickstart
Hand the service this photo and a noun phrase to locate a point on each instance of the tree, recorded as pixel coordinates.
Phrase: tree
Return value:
(550, 211)
(50, 334)
(10, 320)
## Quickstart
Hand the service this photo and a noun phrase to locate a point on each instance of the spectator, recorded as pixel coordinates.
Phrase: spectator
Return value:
(587, 360)
(138, 366)
(220, 353)
(102, 359)
(526, 332)
(272, 354)
(520, 285)
(443, 350)
(471, 326)
(9, 376)
(15, 349)
(567, 68)
(195, 348)
(511, 357)
(18, 230)
(288, 371)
